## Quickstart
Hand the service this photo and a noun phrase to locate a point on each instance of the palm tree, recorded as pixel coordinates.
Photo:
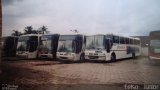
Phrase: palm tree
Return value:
(29, 30)
(16, 33)
(43, 29)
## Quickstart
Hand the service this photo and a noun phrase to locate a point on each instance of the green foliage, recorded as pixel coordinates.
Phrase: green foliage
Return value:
(30, 30)
(16, 33)
(43, 30)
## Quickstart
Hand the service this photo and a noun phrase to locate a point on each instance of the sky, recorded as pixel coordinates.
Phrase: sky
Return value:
(122, 17)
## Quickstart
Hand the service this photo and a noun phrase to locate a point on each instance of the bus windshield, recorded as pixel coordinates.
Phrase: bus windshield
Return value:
(27, 43)
(46, 44)
(23, 44)
(95, 42)
(155, 46)
(66, 46)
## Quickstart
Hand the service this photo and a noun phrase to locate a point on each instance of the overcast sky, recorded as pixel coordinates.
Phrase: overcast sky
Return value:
(124, 17)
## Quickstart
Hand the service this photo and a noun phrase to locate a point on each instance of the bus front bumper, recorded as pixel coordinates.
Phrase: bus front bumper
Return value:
(87, 57)
(67, 58)
(25, 56)
(49, 56)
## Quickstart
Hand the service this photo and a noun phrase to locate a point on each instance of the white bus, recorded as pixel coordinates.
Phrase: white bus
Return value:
(154, 46)
(71, 47)
(111, 47)
(48, 46)
(28, 46)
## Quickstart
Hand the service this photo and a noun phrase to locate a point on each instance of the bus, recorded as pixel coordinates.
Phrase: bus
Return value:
(71, 47)
(28, 46)
(9, 44)
(48, 46)
(154, 45)
(111, 47)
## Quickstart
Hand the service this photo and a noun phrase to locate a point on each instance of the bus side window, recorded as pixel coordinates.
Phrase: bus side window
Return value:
(131, 41)
(122, 40)
(137, 42)
(116, 39)
(127, 40)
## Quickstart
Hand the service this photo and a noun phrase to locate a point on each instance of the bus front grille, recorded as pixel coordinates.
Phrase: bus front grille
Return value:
(63, 57)
(93, 57)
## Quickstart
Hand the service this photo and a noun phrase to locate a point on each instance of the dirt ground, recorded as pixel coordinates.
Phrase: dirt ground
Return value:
(49, 75)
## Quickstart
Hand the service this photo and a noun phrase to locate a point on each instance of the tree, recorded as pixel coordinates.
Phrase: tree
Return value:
(43, 30)
(16, 33)
(29, 30)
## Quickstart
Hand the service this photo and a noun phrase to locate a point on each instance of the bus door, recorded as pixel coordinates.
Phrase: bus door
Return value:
(108, 45)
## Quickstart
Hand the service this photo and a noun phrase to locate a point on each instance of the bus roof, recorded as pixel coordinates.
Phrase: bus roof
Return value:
(125, 36)
(50, 34)
(69, 37)
(96, 34)
(32, 35)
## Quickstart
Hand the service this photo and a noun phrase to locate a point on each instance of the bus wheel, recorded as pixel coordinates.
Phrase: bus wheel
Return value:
(133, 55)
(113, 57)
(82, 58)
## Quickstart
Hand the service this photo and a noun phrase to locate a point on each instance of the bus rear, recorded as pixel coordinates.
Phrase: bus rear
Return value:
(48, 46)
(154, 46)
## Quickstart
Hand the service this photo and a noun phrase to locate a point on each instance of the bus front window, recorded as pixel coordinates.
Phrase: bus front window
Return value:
(46, 45)
(66, 46)
(90, 42)
(155, 46)
(99, 42)
(95, 42)
(23, 44)
(27, 43)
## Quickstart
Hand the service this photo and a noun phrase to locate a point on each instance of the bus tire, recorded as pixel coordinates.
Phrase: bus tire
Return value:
(82, 58)
(113, 57)
(133, 55)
